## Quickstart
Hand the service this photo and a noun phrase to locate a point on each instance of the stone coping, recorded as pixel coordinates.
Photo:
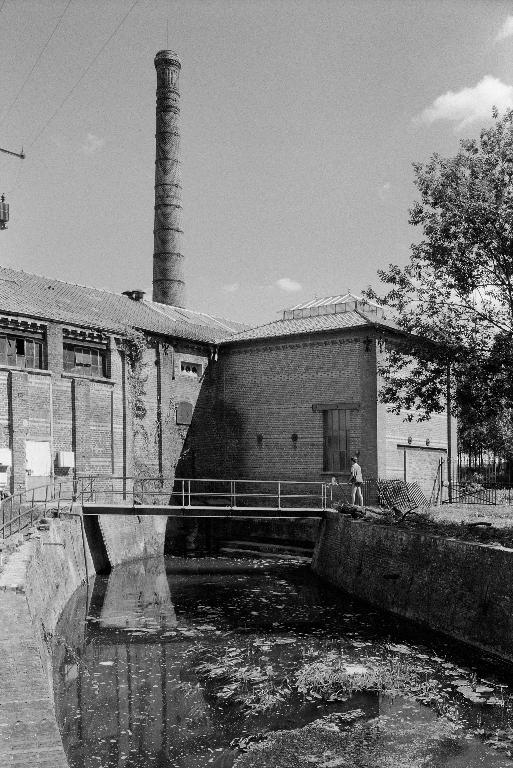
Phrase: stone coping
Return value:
(29, 734)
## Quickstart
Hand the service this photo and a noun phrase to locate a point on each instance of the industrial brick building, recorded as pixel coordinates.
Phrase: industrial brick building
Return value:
(98, 383)
(296, 398)
(95, 383)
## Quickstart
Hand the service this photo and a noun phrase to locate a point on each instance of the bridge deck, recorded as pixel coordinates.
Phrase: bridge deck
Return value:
(91, 508)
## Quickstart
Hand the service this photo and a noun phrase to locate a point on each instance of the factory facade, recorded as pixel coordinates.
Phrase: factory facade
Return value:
(96, 383)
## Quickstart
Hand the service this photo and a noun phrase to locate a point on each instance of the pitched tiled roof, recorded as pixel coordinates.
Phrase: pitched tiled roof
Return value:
(28, 295)
(319, 323)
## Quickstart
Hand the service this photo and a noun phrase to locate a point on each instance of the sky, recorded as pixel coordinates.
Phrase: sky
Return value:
(300, 122)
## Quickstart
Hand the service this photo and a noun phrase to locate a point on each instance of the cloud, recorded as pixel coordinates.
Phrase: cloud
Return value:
(506, 30)
(470, 104)
(92, 144)
(288, 285)
(231, 287)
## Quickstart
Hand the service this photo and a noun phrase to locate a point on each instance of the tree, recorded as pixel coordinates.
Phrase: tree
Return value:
(455, 296)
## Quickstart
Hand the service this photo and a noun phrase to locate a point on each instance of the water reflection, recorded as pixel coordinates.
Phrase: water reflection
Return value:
(176, 670)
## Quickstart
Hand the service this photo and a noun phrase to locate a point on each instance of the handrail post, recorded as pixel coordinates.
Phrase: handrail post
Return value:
(183, 492)
(279, 494)
(142, 491)
(189, 493)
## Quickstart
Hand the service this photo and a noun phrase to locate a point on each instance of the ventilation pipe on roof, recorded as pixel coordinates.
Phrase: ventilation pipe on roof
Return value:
(168, 269)
(135, 294)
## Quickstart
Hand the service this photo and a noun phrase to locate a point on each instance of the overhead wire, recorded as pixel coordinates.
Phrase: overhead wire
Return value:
(2, 6)
(84, 73)
(40, 56)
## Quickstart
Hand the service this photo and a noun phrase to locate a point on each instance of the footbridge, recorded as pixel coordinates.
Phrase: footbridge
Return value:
(203, 497)
(169, 497)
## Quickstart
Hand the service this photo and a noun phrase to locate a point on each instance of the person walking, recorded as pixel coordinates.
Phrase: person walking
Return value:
(356, 480)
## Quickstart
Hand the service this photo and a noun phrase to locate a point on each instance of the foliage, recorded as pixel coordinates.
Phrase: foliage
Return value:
(332, 677)
(455, 296)
(134, 344)
(147, 432)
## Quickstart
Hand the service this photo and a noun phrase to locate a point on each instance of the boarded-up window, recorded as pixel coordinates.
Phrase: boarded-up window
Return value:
(85, 361)
(336, 440)
(183, 412)
(21, 352)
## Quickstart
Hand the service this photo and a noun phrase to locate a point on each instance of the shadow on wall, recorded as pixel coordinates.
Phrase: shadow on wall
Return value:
(96, 543)
(213, 446)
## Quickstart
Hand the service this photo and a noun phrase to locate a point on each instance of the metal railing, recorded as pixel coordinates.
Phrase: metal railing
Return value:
(21, 509)
(342, 492)
(204, 492)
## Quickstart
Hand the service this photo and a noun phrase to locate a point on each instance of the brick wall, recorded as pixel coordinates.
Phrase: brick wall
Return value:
(252, 416)
(158, 439)
(93, 417)
(261, 394)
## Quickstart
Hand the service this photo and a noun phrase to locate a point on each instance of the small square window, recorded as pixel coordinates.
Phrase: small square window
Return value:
(191, 369)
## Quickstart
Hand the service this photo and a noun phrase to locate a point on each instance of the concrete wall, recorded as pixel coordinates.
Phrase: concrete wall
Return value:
(35, 586)
(459, 588)
(129, 537)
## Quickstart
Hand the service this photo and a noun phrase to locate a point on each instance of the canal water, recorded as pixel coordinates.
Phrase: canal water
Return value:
(219, 663)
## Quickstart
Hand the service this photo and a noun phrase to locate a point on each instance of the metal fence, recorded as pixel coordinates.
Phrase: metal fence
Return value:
(464, 483)
(21, 510)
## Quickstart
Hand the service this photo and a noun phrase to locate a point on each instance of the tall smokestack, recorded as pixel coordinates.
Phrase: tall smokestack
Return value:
(168, 271)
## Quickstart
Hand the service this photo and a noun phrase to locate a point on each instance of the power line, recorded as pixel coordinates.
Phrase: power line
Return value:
(84, 73)
(12, 104)
(2, 6)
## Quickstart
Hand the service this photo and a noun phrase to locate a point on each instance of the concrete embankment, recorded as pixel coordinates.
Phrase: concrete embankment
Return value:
(460, 588)
(35, 585)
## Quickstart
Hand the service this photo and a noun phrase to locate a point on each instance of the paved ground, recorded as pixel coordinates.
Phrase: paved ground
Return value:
(29, 736)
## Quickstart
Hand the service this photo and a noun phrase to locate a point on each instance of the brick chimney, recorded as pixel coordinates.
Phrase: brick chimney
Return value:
(168, 268)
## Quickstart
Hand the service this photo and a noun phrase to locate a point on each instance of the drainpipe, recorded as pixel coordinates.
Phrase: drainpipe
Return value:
(449, 433)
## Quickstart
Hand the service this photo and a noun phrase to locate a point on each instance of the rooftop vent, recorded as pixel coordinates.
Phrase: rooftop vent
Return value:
(333, 305)
(135, 295)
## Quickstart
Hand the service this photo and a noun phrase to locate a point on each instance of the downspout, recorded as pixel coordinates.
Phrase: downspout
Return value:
(159, 408)
(124, 418)
(449, 433)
